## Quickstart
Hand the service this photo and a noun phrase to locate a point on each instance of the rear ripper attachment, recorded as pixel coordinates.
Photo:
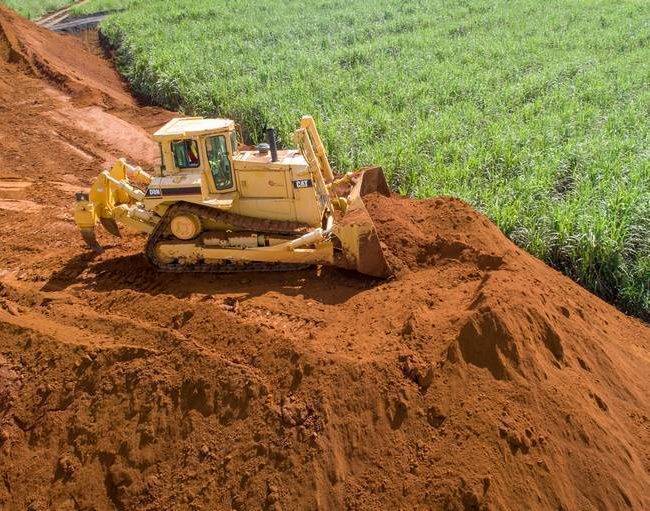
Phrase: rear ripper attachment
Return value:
(215, 208)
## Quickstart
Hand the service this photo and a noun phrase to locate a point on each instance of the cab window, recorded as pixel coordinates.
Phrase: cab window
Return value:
(186, 154)
(219, 162)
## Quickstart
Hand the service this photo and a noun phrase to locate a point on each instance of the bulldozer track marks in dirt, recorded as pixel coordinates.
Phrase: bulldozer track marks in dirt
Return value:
(289, 323)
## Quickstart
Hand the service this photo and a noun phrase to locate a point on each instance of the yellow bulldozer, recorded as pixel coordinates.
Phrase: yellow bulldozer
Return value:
(215, 205)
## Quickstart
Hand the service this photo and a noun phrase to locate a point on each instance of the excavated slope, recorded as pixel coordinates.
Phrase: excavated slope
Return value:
(479, 378)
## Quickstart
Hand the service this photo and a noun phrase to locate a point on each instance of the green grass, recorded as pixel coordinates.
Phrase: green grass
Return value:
(33, 9)
(534, 112)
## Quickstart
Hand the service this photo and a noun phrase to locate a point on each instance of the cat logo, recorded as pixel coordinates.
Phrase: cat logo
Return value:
(302, 183)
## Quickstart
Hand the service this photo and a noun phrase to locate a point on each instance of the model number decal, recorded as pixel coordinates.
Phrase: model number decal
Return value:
(303, 183)
(154, 192)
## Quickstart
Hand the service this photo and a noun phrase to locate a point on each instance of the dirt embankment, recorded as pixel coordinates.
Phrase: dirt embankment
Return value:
(477, 379)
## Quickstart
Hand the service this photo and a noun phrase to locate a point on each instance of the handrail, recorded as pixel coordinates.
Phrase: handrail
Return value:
(307, 122)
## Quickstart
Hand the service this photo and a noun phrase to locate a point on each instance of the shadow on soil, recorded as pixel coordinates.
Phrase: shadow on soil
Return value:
(70, 272)
(328, 286)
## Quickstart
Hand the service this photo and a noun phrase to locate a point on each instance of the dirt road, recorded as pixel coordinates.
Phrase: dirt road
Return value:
(478, 378)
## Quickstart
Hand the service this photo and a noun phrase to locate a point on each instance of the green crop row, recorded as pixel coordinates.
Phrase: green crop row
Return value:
(534, 112)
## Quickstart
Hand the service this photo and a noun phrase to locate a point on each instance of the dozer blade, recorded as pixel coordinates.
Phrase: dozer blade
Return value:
(373, 181)
(88, 234)
(355, 229)
(111, 226)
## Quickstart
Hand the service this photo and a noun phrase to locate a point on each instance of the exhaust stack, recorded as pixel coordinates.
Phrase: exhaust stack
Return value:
(273, 143)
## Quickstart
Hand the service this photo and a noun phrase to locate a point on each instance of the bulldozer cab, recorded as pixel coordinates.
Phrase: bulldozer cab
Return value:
(201, 146)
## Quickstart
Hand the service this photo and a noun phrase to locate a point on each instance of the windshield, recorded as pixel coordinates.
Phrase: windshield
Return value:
(219, 162)
(186, 154)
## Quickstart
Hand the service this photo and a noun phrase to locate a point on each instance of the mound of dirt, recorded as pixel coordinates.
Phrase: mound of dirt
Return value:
(479, 378)
(61, 60)
(417, 234)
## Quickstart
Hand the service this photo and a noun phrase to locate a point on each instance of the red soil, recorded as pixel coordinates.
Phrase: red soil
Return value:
(479, 378)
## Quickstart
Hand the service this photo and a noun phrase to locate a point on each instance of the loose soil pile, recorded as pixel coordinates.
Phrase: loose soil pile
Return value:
(479, 378)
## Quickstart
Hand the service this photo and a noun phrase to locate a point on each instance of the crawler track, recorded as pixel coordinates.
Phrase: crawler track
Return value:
(162, 233)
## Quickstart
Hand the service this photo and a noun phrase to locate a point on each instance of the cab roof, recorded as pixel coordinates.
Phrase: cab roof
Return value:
(183, 127)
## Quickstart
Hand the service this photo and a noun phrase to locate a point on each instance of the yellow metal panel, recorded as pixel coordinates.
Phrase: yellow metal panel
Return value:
(262, 184)
(307, 207)
(274, 209)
